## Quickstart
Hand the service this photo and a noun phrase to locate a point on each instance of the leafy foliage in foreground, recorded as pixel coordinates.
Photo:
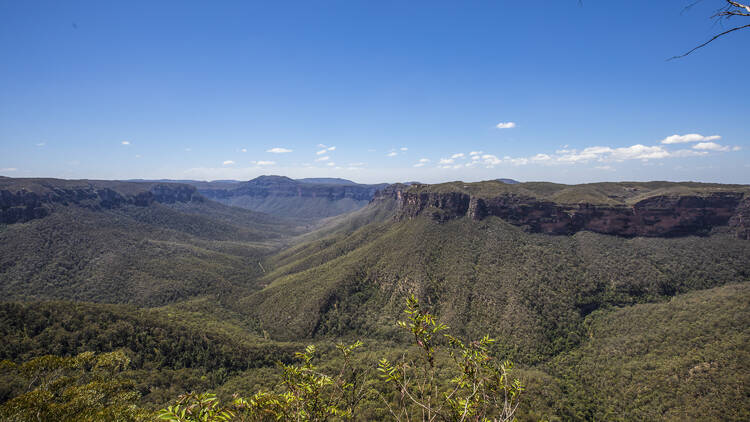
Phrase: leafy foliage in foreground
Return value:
(481, 390)
(169, 351)
(86, 387)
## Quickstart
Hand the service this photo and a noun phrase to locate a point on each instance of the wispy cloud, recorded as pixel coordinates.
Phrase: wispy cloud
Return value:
(125, 142)
(710, 146)
(323, 158)
(9, 169)
(506, 125)
(279, 150)
(690, 137)
(41, 144)
(444, 161)
(228, 163)
(404, 149)
(459, 155)
(264, 163)
(331, 148)
(600, 153)
(243, 150)
(391, 154)
(322, 151)
(422, 162)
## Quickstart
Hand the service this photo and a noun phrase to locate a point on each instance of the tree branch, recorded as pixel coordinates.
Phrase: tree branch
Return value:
(709, 41)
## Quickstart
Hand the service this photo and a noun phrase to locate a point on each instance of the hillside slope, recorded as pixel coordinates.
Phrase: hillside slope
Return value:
(686, 359)
(530, 289)
(140, 243)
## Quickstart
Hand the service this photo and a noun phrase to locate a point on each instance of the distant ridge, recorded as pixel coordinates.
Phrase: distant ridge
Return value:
(327, 181)
(309, 198)
(508, 181)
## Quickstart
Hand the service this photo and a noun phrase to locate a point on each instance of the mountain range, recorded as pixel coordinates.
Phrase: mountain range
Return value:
(618, 301)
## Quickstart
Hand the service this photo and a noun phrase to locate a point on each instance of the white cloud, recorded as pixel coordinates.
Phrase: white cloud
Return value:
(322, 151)
(638, 152)
(404, 149)
(244, 150)
(125, 142)
(680, 153)
(710, 146)
(491, 160)
(391, 154)
(690, 137)
(599, 153)
(331, 148)
(606, 168)
(419, 165)
(506, 125)
(278, 150)
(424, 160)
(736, 148)
(9, 169)
(446, 161)
(41, 144)
(323, 158)
(475, 153)
(331, 164)
(541, 157)
(137, 155)
(321, 146)
(228, 163)
(459, 155)
(264, 163)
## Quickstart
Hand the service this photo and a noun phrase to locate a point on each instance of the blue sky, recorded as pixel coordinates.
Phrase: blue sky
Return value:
(374, 91)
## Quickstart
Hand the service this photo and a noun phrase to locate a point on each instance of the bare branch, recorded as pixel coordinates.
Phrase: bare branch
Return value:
(709, 41)
(739, 6)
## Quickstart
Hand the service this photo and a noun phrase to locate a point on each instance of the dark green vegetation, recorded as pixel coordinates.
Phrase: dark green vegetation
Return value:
(530, 291)
(686, 359)
(601, 327)
(117, 242)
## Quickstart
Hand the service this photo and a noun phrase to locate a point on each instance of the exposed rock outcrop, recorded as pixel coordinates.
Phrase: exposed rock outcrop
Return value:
(31, 200)
(655, 216)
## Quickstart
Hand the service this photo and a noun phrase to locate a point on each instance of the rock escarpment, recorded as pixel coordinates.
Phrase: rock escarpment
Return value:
(665, 215)
(22, 200)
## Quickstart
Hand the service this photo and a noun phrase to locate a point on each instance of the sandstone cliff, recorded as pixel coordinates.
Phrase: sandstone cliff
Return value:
(661, 214)
(22, 200)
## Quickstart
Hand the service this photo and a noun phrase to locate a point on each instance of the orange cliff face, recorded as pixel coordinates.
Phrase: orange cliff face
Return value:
(656, 216)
